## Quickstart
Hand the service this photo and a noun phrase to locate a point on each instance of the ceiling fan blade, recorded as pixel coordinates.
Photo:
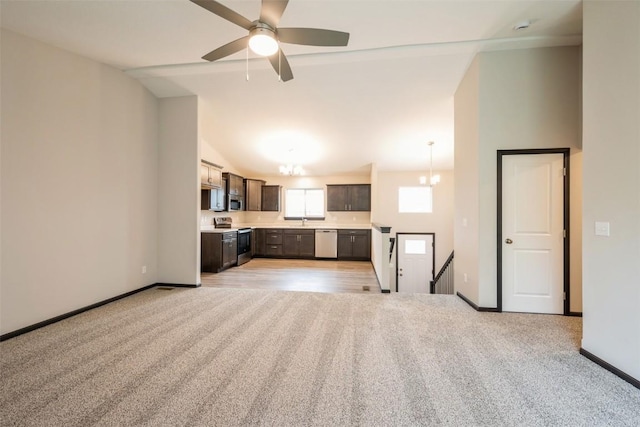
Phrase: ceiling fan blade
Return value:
(272, 10)
(313, 36)
(224, 12)
(281, 65)
(227, 49)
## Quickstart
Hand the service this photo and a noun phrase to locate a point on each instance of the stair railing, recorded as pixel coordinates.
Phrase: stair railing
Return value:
(443, 282)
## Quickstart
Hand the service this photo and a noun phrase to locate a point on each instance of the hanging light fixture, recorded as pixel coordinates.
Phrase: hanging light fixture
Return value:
(290, 168)
(433, 179)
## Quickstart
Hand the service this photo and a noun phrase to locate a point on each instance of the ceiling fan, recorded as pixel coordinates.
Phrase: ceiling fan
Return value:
(264, 36)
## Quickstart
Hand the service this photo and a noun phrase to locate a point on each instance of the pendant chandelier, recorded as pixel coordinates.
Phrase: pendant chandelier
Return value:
(290, 169)
(433, 179)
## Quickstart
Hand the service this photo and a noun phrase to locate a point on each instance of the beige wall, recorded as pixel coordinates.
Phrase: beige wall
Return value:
(527, 99)
(611, 132)
(208, 141)
(440, 221)
(78, 176)
(466, 190)
(179, 192)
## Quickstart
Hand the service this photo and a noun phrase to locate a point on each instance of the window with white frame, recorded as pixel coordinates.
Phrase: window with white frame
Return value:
(415, 199)
(304, 203)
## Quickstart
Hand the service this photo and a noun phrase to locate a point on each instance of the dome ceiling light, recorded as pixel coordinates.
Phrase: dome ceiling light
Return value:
(262, 40)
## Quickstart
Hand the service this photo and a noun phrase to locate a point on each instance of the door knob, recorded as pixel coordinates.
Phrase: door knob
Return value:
(508, 241)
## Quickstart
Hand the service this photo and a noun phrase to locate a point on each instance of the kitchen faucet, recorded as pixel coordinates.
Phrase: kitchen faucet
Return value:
(304, 221)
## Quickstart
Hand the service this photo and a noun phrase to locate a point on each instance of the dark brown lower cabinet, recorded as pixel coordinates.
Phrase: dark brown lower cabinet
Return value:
(218, 251)
(258, 242)
(272, 242)
(354, 245)
(299, 243)
(285, 243)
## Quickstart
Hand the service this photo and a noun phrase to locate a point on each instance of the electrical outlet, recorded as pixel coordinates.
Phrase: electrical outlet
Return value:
(144, 269)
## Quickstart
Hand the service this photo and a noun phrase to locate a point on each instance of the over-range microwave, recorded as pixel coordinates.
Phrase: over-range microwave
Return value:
(236, 203)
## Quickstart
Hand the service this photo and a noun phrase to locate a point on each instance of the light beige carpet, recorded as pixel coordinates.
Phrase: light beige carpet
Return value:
(221, 357)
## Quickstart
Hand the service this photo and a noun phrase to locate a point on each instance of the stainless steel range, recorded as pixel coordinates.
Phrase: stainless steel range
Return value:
(244, 238)
(222, 222)
(244, 245)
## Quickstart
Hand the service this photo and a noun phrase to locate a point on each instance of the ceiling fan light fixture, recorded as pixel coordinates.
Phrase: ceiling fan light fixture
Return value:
(263, 41)
(264, 35)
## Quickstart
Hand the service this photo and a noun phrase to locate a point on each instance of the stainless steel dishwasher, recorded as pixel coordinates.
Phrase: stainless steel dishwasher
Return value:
(326, 243)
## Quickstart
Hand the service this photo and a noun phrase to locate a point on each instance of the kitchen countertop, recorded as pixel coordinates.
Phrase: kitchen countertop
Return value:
(212, 229)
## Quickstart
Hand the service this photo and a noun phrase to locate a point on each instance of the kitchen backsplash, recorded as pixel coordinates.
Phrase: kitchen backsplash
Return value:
(340, 218)
(274, 218)
(206, 217)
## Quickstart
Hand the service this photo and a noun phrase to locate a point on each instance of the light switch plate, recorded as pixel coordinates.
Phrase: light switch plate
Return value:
(602, 228)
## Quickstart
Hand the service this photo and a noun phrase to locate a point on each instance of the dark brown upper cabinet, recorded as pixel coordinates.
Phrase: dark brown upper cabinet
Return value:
(210, 175)
(235, 184)
(253, 194)
(271, 198)
(348, 197)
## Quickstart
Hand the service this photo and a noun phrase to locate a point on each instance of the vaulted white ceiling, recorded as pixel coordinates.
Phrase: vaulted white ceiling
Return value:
(378, 100)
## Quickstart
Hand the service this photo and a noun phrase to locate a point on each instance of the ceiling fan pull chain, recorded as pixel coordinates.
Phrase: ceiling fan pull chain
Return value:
(247, 63)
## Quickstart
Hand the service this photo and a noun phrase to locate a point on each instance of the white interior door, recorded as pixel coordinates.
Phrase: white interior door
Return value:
(532, 233)
(415, 262)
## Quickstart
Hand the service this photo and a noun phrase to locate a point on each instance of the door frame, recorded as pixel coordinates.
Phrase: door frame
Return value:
(566, 267)
(433, 254)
